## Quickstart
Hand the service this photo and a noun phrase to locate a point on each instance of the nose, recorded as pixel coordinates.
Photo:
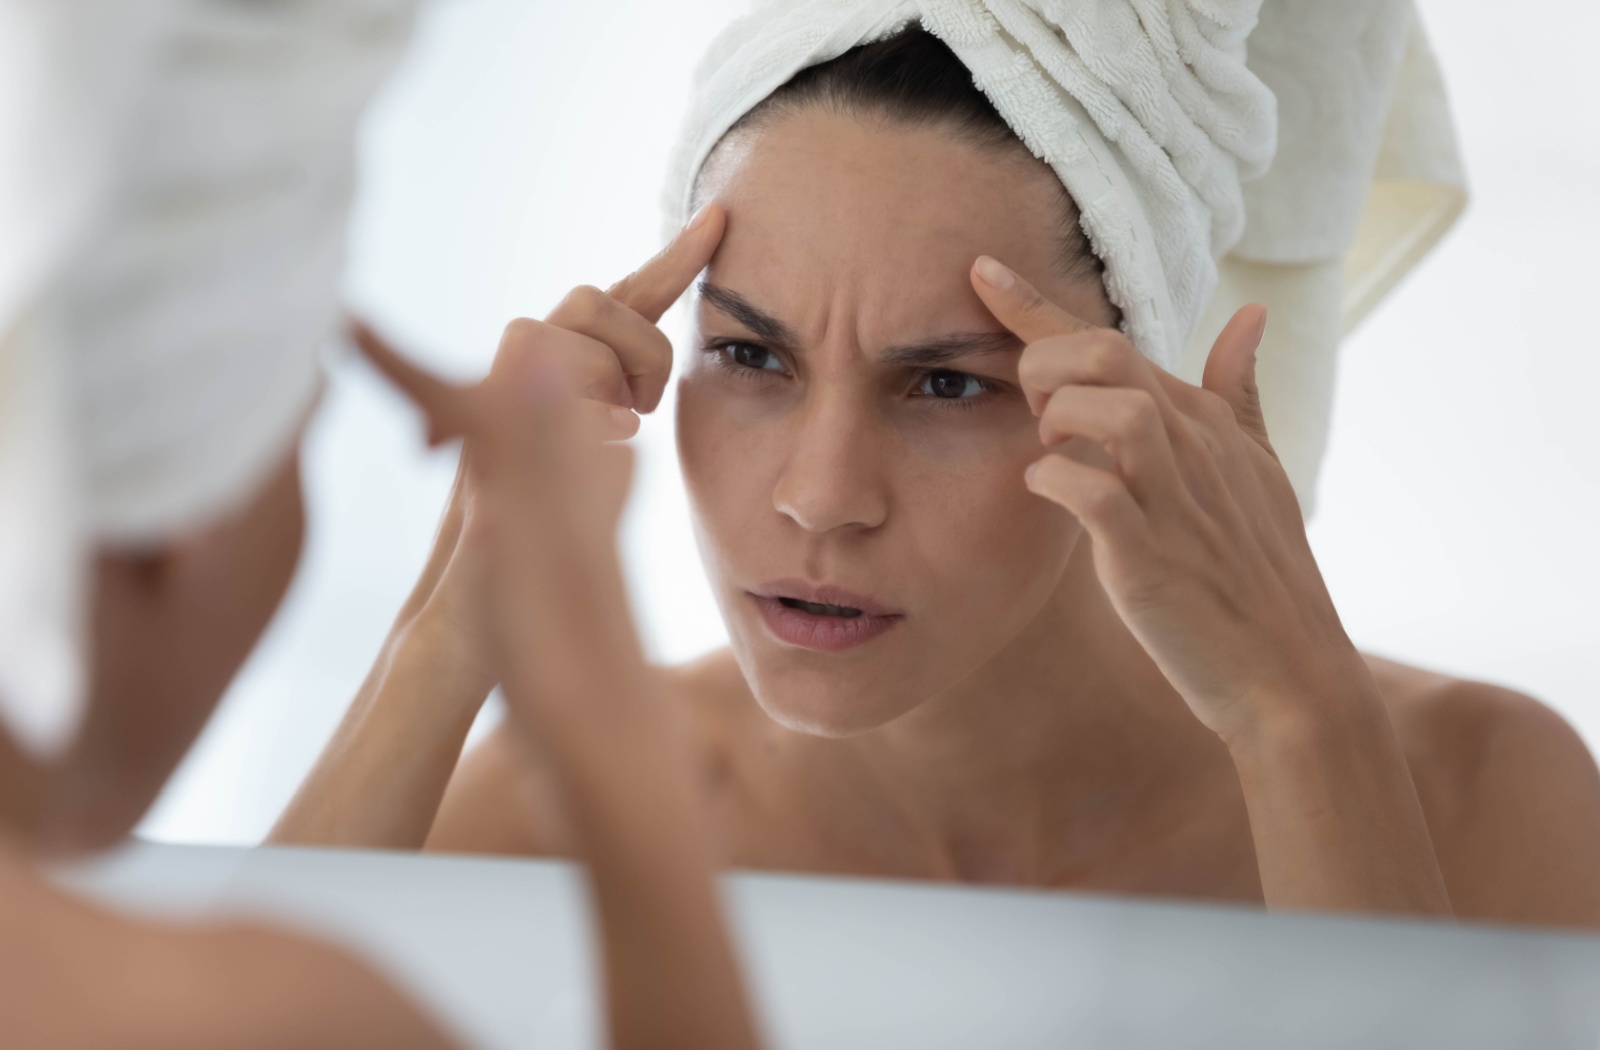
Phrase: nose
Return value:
(831, 478)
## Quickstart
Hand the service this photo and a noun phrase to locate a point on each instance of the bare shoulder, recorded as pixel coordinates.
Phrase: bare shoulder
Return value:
(1511, 794)
(501, 798)
(74, 976)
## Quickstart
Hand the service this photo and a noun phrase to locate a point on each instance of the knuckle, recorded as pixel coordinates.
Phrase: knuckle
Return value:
(584, 306)
(1104, 352)
(1052, 424)
(1030, 299)
(522, 330)
(1138, 413)
(522, 337)
(1044, 362)
(1034, 366)
(1099, 497)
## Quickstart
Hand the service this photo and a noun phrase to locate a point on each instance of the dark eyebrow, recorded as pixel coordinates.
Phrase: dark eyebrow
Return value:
(936, 352)
(764, 325)
(927, 354)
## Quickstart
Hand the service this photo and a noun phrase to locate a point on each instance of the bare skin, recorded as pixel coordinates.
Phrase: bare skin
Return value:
(170, 630)
(1118, 670)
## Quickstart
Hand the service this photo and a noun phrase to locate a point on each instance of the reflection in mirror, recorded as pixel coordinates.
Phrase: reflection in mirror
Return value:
(1004, 602)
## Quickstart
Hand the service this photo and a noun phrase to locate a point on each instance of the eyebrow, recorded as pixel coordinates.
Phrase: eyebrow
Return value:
(930, 353)
(941, 351)
(763, 324)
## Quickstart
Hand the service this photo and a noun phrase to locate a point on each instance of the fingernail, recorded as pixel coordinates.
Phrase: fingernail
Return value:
(994, 273)
(1027, 475)
(622, 418)
(699, 219)
(1261, 331)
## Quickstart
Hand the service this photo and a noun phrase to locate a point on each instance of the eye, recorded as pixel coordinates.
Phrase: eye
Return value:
(950, 386)
(749, 355)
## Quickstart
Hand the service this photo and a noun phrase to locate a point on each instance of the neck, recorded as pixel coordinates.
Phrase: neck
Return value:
(1038, 761)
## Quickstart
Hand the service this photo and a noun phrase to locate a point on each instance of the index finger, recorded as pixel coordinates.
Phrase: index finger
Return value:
(655, 286)
(446, 406)
(1019, 305)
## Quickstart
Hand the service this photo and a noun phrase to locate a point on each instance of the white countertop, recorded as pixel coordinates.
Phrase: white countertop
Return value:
(499, 949)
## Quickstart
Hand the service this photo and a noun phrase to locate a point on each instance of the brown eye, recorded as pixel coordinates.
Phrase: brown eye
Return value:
(748, 355)
(949, 385)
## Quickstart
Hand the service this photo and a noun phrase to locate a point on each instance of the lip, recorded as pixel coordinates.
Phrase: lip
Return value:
(828, 634)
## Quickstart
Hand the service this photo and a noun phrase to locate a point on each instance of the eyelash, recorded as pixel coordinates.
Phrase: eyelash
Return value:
(722, 359)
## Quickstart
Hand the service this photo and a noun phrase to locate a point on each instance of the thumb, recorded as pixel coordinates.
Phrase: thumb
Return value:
(1231, 369)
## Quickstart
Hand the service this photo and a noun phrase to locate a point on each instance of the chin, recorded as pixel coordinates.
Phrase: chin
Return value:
(824, 704)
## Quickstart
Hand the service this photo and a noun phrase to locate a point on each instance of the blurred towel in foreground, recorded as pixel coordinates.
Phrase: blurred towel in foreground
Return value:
(175, 178)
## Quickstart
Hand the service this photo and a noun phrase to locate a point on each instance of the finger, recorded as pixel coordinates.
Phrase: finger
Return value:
(1231, 369)
(590, 365)
(1095, 497)
(1018, 305)
(643, 352)
(1128, 424)
(655, 286)
(1097, 357)
(445, 406)
(562, 630)
(602, 422)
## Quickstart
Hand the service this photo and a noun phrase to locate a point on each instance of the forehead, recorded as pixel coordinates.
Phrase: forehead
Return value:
(838, 219)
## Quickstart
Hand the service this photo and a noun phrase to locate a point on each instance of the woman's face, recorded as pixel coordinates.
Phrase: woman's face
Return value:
(849, 420)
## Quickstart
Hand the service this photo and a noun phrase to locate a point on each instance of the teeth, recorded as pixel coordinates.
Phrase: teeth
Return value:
(819, 609)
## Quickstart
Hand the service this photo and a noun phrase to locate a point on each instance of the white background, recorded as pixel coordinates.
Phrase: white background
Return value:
(520, 151)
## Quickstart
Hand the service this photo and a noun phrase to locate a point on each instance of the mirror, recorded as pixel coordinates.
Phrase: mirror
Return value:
(511, 160)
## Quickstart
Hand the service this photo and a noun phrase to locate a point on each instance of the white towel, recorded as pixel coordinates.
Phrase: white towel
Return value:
(1145, 110)
(177, 174)
(1158, 116)
(1366, 182)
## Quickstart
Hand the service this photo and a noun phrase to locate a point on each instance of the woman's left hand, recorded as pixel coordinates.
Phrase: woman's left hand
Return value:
(1198, 538)
(1199, 543)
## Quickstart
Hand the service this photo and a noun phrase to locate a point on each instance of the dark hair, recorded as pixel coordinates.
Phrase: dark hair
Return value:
(912, 77)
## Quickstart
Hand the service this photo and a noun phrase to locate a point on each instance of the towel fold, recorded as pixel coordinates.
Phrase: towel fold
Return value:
(1366, 182)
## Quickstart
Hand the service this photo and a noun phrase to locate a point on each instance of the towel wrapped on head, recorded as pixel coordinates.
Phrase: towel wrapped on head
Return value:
(1183, 130)
(1145, 110)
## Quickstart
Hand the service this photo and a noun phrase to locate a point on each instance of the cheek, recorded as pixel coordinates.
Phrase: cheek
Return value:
(724, 468)
(992, 550)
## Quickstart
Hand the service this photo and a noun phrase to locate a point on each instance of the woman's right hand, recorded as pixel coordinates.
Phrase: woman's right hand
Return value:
(382, 776)
(616, 360)
(544, 490)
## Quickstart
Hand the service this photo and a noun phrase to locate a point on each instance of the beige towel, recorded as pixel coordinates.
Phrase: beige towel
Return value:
(1367, 179)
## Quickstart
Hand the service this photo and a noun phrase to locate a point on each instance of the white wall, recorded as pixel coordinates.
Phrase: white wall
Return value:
(520, 151)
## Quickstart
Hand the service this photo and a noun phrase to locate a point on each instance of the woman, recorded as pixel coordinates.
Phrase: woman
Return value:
(1008, 602)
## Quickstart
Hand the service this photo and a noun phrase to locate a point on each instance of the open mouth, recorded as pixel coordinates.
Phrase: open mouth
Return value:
(827, 619)
(820, 609)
